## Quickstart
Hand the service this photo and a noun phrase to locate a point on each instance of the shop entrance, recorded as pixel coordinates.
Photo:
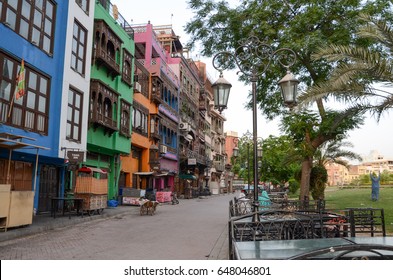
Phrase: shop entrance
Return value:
(49, 187)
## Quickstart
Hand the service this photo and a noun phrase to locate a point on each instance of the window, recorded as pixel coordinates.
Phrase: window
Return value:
(140, 117)
(78, 55)
(31, 111)
(127, 61)
(84, 4)
(103, 106)
(125, 118)
(74, 115)
(34, 20)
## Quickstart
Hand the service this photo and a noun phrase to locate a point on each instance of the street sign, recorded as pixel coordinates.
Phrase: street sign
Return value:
(75, 156)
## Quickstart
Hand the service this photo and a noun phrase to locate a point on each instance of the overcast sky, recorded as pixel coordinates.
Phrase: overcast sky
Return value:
(371, 136)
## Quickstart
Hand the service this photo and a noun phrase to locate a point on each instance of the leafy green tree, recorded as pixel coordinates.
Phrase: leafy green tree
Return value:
(278, 163)
(280, 159)
(365, 179)
(303, 26)
(385, 177)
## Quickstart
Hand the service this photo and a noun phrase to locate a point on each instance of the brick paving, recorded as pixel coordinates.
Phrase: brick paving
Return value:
(195, 229)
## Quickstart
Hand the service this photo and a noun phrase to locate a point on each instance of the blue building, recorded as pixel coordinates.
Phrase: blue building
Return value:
(38, 131)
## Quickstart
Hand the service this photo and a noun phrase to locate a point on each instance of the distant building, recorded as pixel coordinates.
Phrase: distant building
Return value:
(339, 175)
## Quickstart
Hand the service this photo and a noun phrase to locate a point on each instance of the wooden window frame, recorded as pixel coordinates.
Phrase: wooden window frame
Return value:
(84, 5)
(33, 107)
(41, 14)
(125, 118)
(73, 107)
(79, 44)
(127, 65)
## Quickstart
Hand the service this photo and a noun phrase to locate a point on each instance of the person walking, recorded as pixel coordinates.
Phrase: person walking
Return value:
(375, 185)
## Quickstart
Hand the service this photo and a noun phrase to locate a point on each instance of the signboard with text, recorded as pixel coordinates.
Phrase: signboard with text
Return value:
(75, 157)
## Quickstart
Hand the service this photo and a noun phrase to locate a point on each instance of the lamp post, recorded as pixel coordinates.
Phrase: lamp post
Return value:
(253, 59)
(247, 139)
(207, 177)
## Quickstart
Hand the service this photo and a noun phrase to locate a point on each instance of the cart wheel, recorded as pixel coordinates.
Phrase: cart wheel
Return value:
(90, 212)
(99, 211)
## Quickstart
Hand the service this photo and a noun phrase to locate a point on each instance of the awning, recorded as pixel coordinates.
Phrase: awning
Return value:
(162, 174)
(187, 176)
(86, 169)
(143, 173)
(14, 142)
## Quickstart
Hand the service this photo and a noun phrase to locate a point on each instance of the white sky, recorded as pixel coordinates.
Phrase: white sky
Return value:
(371, 136)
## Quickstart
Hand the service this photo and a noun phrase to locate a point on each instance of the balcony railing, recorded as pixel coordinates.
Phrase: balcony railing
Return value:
(219, 166)
(156, 98)
(106, 122)
(104, 58)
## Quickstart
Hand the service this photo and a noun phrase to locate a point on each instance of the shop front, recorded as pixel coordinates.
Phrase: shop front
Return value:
(18, 180)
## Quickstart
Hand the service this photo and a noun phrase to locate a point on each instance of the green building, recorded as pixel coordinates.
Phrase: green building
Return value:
(111, 93)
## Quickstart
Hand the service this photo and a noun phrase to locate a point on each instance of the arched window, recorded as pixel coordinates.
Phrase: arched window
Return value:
(110, 48)
(107, 108)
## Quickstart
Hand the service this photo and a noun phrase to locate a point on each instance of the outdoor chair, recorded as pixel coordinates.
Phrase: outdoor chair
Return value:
(239, 208)
(272, 225)
(329, 224)
(367, 222)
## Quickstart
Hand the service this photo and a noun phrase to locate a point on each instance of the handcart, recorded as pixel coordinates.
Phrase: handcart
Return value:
(92, 187)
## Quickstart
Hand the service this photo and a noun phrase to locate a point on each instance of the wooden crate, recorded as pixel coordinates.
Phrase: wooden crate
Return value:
(91, 185)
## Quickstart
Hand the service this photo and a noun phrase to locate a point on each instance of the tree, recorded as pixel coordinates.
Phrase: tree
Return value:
(359, 69)
(301, 25)
(329, 152)
(280, 159)
(333, 152)
(278, 163)
(318, 180)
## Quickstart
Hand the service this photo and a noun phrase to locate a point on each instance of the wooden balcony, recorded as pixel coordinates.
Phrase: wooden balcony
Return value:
(103, 58)
(156, 98)
(109, 125)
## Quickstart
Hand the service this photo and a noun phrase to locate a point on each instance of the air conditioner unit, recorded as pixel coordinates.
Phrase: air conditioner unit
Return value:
(138, 87)
(184, 126)
(163, 149)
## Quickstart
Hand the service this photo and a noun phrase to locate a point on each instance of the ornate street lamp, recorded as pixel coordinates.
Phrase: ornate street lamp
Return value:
(253, 59)
(235, 153)
(221, 90)
(288, 86)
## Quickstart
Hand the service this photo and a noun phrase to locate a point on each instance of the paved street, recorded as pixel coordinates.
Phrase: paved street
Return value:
(193, 230)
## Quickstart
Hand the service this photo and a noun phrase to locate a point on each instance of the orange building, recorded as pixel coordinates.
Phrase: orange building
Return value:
(138, 167)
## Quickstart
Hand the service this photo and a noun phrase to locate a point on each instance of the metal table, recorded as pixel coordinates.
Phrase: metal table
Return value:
(64, 201)
(286, 249)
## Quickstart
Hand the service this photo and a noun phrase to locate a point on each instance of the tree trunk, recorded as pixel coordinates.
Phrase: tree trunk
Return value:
(305, 180)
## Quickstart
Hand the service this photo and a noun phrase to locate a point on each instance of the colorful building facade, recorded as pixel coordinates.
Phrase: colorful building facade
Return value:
(40, 33)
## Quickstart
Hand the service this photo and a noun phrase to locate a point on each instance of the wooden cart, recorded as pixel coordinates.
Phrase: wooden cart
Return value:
(92, 186)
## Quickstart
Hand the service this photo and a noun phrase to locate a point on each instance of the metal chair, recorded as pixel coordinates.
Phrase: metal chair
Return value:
(367, 221)
(272, 225)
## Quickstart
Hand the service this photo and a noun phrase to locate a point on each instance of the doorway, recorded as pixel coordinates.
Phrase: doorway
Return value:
(49, 187)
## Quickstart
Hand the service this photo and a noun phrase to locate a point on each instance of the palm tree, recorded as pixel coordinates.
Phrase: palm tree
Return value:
(332, 152)
(358, 70)
(329, 152)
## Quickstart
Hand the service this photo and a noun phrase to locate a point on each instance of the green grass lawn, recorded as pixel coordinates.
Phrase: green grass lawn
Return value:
(361, 197)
